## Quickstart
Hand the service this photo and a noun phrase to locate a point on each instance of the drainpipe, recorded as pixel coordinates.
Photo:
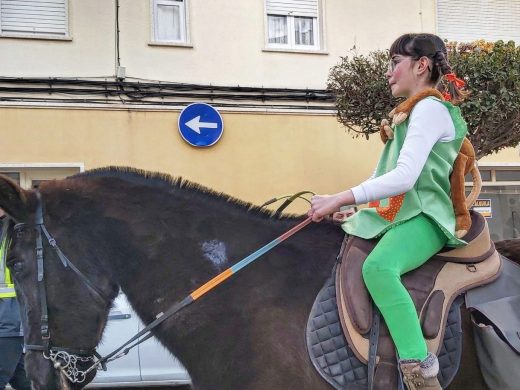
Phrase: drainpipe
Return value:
(120, 70)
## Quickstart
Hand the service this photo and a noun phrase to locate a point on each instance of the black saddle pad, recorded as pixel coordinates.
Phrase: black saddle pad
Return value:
(336, 362)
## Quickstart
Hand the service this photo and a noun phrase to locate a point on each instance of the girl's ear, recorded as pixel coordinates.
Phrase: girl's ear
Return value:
(423, 65)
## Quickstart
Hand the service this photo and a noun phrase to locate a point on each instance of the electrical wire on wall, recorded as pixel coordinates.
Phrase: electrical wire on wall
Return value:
(112, 91)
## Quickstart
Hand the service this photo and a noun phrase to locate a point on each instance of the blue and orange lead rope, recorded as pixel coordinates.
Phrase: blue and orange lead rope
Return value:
(246, 261)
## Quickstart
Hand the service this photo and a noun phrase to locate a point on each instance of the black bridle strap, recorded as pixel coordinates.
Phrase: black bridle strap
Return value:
(44, 316)
(65, 261)
(78, 352)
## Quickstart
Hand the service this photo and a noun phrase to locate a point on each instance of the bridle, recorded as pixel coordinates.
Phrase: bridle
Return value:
(64, 359)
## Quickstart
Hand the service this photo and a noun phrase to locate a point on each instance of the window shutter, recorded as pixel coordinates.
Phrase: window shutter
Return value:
(468, 20)
(307, 8)
(34, 17)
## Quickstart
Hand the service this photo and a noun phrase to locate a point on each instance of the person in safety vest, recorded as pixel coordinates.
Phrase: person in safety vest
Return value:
(409, 205)
(12, 369)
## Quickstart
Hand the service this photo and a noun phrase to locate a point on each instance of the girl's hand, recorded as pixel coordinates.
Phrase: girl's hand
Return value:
(323, 205)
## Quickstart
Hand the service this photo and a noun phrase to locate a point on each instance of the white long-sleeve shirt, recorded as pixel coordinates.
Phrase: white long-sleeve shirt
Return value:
(429, 123)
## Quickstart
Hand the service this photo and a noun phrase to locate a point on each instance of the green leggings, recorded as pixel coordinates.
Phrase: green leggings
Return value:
(402, 249)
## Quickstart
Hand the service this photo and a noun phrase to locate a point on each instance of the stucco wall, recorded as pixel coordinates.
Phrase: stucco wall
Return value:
(90, 52)
(258, 157)
(228, 41)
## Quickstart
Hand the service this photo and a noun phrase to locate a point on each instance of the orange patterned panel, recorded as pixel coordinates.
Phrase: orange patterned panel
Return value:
(389, 212)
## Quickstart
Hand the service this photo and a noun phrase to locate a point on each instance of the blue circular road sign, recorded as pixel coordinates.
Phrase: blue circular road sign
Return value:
(200, 125)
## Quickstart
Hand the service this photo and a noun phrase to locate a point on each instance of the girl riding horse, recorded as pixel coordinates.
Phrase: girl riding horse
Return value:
(413, 214)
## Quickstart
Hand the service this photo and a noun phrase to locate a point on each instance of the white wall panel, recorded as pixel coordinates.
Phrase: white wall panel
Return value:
(469, 20)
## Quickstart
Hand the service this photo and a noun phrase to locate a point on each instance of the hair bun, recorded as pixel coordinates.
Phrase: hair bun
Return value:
(439, 55)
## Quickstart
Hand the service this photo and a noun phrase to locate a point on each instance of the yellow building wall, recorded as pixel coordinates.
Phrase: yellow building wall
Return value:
(259, 156)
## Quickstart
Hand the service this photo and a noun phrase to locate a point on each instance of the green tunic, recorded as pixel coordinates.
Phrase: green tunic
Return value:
(430, 194)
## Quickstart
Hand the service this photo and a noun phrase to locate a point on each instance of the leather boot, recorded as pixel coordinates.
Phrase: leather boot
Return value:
(414, 379)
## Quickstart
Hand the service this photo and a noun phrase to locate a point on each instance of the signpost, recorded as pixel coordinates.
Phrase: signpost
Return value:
(200, 125)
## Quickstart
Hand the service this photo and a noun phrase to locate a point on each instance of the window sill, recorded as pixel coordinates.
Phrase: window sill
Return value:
(299, 51)
(31, 36)
(171, 44)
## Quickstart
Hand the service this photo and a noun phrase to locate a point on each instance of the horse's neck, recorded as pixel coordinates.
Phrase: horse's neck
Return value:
(272, 295)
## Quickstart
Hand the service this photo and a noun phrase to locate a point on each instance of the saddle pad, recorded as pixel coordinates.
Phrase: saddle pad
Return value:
(336, 362)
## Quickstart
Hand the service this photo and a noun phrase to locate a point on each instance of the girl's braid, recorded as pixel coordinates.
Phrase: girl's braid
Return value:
(440, 61)
(449, 89)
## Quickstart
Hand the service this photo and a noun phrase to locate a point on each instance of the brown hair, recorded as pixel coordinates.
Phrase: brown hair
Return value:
(431, 46)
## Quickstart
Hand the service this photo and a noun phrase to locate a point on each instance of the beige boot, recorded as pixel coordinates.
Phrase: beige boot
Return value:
(421, 375)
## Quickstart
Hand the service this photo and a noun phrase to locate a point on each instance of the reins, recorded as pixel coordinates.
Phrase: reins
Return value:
(288, 200)
(65, 359)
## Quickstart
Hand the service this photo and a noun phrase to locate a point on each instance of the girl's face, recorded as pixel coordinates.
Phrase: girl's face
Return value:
(407, 76)
(400, 75)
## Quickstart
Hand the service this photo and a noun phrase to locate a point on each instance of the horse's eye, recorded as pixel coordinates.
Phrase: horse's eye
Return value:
(18, 266)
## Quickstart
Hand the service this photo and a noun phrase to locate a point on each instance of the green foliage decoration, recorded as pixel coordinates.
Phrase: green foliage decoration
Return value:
(492, 109)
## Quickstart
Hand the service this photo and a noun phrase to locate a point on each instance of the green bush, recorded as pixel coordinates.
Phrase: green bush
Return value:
(492, 110)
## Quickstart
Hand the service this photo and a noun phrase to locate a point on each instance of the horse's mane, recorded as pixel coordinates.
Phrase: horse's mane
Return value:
(167, 182)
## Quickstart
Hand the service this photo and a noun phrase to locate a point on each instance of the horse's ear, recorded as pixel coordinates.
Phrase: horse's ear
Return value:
(13, 199)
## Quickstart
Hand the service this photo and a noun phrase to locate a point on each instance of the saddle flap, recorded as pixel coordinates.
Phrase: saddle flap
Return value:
(353, 291)
(455, 279)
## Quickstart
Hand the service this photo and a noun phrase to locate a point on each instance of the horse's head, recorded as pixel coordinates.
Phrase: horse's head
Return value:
(64, 304)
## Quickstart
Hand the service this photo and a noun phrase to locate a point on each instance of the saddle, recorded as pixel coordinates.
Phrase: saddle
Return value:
(368, 357)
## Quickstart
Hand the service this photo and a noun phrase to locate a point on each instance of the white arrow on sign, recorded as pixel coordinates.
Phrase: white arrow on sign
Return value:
(195, 124)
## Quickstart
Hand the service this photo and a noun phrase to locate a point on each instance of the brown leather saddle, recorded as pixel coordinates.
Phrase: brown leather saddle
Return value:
(433, 287)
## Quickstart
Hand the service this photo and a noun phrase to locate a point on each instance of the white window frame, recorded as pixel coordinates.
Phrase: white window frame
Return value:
(493, 168)
(317, 27)
(184, 28)
(39, 35)
(30, 172)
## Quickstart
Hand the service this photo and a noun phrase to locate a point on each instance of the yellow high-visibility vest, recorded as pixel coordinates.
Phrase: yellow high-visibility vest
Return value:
(6, 283)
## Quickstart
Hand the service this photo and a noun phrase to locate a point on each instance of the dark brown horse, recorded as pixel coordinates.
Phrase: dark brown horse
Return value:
(158, 239)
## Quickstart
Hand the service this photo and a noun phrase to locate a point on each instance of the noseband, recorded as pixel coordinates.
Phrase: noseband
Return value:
(66, 360)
